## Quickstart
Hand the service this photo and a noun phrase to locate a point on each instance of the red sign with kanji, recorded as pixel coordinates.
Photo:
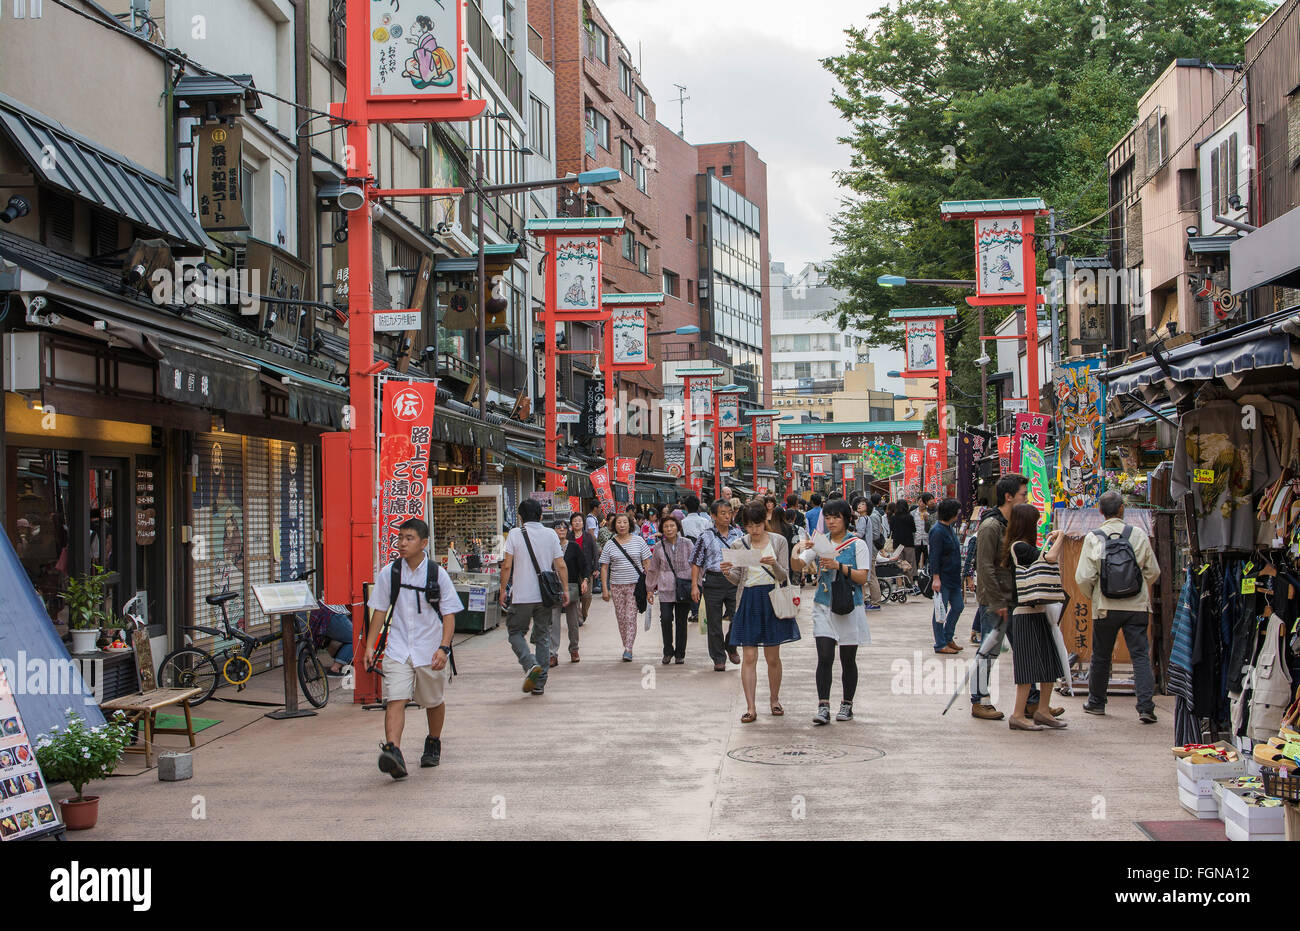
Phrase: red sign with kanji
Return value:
(404, 458)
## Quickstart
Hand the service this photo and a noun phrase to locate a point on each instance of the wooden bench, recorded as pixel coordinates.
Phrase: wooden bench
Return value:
(144, 705)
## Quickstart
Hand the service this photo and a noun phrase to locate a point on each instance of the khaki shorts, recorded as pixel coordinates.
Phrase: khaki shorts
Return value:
(424, 684)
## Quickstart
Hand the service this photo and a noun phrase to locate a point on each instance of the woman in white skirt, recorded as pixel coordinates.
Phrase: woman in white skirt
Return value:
(852, 559)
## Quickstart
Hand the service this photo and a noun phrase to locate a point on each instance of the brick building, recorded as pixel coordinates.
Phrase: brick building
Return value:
(605, 118)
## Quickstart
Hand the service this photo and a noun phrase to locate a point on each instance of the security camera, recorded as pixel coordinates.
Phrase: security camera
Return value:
(351, 198)
(16, 208)
(1234, 201)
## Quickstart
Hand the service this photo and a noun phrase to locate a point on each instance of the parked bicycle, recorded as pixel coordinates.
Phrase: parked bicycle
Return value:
(193, 667)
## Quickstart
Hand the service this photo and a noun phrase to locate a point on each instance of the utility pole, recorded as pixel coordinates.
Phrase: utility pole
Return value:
(482, 313)
(681, 104)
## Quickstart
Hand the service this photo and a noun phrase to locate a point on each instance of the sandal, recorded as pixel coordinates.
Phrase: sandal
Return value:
(777, 710)
(748, 717)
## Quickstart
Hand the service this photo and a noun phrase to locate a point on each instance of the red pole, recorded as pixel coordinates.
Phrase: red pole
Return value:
(717, 450)
(942, 409)
(1031, 313)
(611, 402)
(361, 357)
(552, 377)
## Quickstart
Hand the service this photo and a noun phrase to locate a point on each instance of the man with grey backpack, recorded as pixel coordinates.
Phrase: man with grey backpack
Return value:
(1115, 573)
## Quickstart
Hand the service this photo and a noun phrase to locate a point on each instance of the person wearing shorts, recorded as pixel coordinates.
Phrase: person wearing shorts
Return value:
(415, 666)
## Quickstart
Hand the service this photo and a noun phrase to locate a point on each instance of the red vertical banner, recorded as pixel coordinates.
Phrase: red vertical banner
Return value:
(932, 466)
(1033, 427)
(847, 470)
(575, 504)
(912, 460)
(1004, 455)
(600, 482)
(407, 427)
(625, 472)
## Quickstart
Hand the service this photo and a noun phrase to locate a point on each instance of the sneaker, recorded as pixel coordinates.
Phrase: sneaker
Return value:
(1094, 709)
(845, 712)
(390, 760)
(1147, 717)
(986, 713)
(870, 607)
(539, 690)
(530, 680)
(823, 715)
(432, 751)
(627, 656)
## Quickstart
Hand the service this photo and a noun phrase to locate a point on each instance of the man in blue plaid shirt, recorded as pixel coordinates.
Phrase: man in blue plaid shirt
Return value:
(707, 581)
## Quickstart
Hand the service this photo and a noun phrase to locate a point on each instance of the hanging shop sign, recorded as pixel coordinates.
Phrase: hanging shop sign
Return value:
(675, 461)
(146, 513)
(417, 50)
(629, 336)
(1034, 427)
(817, 465)
(605, 494)
(218, 186)
(210, 381)
(460, 310)
(577, 274)
(922, 337)
(763, 431)
(727, 445)
(281, 275)
(848, 471)
(912, 463)
(1004, 455)
(403, 458)
(1079, 405)
(624, 469)
(970, 449)
(932, 466)
(999, 261)
(728, 412)
(397, 321)
(293, 530)
(593, 409)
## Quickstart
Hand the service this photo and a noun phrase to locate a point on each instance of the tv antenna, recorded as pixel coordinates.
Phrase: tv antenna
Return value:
(681, 103)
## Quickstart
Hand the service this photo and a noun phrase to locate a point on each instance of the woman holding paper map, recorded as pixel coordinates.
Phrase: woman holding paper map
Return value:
(846, 554)
(757, 563)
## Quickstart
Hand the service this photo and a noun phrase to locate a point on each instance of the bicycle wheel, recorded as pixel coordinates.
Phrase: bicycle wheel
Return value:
(311, 676)
(189, 668)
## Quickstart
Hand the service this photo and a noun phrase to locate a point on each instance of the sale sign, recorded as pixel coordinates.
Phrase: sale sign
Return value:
(932, 466)
(600, 482)
(912, 470)
(403, 458)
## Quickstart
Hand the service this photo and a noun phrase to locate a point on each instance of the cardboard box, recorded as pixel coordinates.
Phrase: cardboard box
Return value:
(1204, 774)
(1242, 821)
(1202, 806)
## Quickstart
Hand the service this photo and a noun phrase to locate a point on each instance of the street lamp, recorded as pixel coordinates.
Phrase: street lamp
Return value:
(691, 330)
(584, 178)
(898, 281)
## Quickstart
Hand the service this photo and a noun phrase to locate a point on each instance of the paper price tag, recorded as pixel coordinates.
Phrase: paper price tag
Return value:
(1204, 476)
(1248, 586)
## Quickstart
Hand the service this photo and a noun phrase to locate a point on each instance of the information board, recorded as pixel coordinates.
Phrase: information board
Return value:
(26, 809)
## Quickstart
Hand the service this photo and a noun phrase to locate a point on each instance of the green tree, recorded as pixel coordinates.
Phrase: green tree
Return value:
(970, 99)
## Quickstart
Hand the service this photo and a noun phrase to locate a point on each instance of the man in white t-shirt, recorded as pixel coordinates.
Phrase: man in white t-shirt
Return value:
(418, 646)
(522, 566)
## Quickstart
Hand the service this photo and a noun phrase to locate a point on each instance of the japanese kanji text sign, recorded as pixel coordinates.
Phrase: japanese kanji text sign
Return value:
(404, 458)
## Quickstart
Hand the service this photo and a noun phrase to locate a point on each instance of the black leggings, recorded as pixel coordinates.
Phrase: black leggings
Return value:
(826, 661)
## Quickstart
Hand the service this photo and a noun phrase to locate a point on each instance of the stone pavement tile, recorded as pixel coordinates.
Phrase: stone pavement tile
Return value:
(639, 750)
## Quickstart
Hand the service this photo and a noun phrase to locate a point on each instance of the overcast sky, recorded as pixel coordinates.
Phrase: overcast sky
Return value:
(752, 71)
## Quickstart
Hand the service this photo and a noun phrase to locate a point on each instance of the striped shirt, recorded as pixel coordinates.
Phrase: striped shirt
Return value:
(622, 571)
(709, 547)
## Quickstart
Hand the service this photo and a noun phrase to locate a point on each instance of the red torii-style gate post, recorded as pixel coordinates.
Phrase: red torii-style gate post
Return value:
(627, 349)
(377, 93)
(1006, 270)
(923, 333)
(573, 293)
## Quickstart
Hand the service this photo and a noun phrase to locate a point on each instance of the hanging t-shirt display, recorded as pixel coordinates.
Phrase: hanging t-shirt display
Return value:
(1221, 463)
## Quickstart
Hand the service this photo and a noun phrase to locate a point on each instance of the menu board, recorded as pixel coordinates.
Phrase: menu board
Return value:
(146, 513)
(25, 806)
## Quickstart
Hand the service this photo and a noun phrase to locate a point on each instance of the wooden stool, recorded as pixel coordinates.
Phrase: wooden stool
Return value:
(144, 706)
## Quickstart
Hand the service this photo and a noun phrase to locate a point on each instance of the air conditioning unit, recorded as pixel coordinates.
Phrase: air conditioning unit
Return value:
(22, 360)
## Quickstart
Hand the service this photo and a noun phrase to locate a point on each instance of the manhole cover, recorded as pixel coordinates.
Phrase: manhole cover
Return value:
(797, 754)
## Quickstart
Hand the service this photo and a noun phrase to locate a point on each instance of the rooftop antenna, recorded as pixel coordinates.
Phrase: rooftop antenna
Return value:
(681, 103)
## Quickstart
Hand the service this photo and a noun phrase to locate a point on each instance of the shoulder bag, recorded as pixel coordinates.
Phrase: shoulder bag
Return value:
(1039, 582)
(782, 594)
(681, 587)
(642, 594)
(842, 586)
(548, 582)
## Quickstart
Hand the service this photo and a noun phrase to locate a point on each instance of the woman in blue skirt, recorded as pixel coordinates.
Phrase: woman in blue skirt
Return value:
(756, 624)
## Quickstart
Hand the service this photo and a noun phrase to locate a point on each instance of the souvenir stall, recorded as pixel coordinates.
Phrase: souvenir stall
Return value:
(1234, 664)
(467, 540)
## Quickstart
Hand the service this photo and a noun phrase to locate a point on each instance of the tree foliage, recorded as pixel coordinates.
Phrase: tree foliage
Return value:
(970, 99)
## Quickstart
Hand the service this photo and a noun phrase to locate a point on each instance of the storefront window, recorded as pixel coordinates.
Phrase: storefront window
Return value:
(39, 520)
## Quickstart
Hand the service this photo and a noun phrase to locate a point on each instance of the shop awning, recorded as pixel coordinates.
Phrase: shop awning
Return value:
(68, 160)
(1263, 344)
(311, 400)
(451, 427)
(1268, 256)
(211, 379)
(496, 258)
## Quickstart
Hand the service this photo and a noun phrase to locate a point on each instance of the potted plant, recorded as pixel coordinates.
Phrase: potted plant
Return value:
(77, 754)
(86, 614)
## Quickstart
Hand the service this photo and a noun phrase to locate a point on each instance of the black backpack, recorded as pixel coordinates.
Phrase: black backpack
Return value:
(432, 594)
(1120, 575)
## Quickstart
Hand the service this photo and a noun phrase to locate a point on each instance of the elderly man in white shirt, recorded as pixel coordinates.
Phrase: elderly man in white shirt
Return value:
(418, 643)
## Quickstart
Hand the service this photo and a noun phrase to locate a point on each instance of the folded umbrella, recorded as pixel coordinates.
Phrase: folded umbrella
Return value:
(1054, 614)
(990, 647)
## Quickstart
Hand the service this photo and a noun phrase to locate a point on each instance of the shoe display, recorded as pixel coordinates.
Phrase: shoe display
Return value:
(432, 751)
(845, 712)
(530, 680)
(986, 713)
(823, 715)
(390, 760)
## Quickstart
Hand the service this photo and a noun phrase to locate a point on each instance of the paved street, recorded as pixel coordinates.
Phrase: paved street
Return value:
(645, 751)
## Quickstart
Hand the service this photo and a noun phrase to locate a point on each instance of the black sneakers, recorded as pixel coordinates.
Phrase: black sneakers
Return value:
(432, 751)
(823, 715)
(390, 760)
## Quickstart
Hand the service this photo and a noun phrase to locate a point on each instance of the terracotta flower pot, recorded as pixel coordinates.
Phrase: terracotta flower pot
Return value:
(79, 815)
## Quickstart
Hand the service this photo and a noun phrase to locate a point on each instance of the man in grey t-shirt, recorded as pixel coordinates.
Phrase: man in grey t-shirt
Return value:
(526, 605)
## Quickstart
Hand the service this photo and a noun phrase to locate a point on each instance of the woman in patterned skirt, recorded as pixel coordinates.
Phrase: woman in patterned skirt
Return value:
(1033, 650)
(756, 624)
(623, 561)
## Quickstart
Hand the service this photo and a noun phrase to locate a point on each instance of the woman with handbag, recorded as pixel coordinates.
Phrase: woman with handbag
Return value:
(839, 618)
(1038, 590)
(622, 578)
(670, 578)
(757, 622)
